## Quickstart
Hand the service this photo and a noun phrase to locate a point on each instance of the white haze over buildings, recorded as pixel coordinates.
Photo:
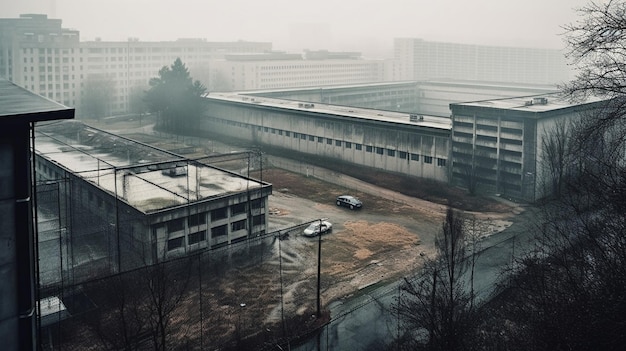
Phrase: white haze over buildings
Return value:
(368, 26)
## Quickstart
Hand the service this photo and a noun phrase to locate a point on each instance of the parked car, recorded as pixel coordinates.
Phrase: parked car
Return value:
(318, 227)
(349, 201)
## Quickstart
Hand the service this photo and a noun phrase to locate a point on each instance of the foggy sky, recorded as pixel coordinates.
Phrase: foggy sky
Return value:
(368, 26)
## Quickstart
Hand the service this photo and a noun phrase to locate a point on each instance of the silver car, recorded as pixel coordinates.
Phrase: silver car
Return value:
(318, 227)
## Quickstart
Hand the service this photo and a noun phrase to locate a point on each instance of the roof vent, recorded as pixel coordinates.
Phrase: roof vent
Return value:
(540, 101)
(175, 172)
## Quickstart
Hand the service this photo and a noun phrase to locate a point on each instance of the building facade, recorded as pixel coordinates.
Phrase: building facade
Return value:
(278, 71)
(497, 145)
(413, 145)
(389, 96)
(418, 59)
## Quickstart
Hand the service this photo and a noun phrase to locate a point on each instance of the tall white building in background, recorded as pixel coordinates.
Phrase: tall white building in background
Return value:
(279, 70)
(418, 59)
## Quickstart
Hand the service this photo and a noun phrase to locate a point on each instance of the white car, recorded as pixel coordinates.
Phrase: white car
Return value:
(314, 229)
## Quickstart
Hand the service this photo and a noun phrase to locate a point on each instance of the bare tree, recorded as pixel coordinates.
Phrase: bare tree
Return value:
(437, 309)
(470, 170)
(555, 146)
(569, 293)
(166, 284)
(139, 306)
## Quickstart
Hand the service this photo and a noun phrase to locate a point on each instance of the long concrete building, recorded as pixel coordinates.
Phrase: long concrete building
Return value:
(391, 141)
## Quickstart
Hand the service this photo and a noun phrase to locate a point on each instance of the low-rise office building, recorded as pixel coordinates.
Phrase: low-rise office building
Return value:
(125, 204)
(498, 144)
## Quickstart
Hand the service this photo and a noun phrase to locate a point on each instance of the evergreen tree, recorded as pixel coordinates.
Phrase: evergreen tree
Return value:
(175, 97)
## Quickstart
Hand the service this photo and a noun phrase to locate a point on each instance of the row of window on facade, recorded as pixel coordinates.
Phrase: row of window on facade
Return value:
(200, 236)
(404, 155)
(213, 215)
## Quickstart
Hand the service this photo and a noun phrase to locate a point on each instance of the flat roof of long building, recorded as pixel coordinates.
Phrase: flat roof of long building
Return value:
(533, 104)
(147, 178)
(364, 114)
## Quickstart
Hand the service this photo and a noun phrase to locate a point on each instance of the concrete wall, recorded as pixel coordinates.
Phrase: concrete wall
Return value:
(17, 271)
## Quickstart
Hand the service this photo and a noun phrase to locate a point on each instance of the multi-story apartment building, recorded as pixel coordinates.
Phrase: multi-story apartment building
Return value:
(38, 54)
(417, 59)
(275, 71)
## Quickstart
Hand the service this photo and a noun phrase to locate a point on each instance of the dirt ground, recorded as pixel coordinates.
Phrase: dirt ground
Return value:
(381, 243)
(384, 241)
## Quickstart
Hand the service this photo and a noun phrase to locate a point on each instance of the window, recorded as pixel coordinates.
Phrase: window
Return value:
(415, 157)
(311, 138)
(391, 153)
(287, 133)
(219, 231)
(219, 213)
(402, 155)
(296, 135)
(280, 132)
(175, 225)
(239, 225)
(348, 145)
(320, 139)
(196, 237)
(303, 136)
(358, 146)
(237, 209)
(368, 148)
(258, 220)
(428, 159)
(196, 219)
(258, 203)
(380, 150)
(329, 141)
(441, 162)
(175, 243)
(337, 142)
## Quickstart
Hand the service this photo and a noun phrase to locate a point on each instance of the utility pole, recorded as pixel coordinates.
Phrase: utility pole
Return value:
(319, 269)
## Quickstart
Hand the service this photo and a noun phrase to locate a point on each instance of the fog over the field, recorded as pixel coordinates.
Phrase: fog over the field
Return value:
(368, 26)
